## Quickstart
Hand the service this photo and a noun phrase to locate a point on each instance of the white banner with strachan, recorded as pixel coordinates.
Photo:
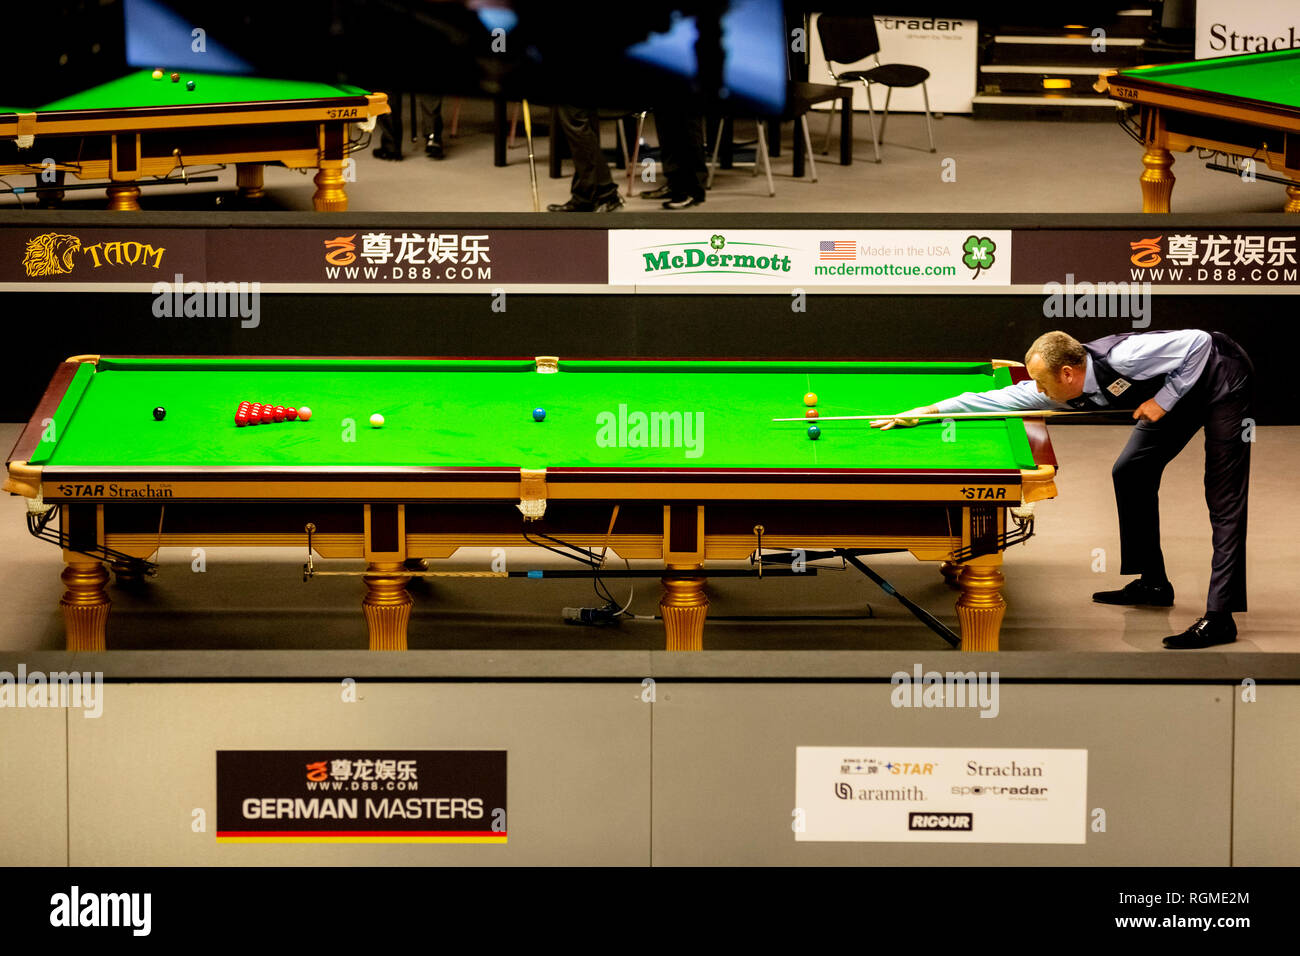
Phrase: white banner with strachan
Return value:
(940, 795)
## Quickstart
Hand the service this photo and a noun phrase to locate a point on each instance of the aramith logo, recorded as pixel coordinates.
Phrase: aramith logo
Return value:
(693, 257)
(53, 254)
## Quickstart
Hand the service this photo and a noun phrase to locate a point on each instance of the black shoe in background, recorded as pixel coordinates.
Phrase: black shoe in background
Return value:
(685, 202)
(1204, 633)
(433, 148)
(609, 202)
(573, 205)
(381, 153)
(663, 192)
(1138, 593)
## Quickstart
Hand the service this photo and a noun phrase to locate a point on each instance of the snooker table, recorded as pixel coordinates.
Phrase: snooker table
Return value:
(674, 461)
(136, 127)
(1246, 106)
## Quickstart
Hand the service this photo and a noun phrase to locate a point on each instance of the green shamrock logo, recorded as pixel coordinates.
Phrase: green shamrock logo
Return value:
(979, 254)
(717, 242)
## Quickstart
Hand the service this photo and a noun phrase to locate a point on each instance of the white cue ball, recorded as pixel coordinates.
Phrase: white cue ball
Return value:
(376, 420)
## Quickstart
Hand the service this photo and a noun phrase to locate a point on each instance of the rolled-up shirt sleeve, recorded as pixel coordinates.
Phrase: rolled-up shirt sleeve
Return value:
(1021, 397)
(1182, 355)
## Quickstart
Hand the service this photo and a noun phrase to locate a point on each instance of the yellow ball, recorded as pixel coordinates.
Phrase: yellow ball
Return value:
(376, 420)
(157, 74)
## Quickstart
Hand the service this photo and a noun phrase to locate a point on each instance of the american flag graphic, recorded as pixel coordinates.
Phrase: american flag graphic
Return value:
(838, 249)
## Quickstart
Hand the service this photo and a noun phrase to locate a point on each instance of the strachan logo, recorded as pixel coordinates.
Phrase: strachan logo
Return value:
(693, 257)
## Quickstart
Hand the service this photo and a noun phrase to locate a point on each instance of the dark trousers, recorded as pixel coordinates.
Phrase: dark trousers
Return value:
(681, 141)
(428, 117)
(1220, 402)
(591, 178)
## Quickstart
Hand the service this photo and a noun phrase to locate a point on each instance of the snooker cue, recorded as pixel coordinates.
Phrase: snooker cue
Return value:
(924, 616)
(941, 415)
(532, 163)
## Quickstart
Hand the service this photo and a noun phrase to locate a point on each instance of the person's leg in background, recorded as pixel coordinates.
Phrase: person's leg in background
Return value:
(432, 112)
(592, 188)
(390, 129)
(681, 141)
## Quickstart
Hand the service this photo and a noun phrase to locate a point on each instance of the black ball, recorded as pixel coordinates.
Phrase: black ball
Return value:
(159, 413)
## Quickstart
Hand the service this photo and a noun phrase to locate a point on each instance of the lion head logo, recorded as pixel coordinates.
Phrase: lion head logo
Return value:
(50, 254)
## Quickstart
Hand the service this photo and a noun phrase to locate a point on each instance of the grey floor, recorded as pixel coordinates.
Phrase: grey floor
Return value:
(256, 598)
(1000, 166)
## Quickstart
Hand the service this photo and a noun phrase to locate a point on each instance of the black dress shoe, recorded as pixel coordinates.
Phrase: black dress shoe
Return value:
(381, 153)
(433, 148)
(1204, 633)
(608, 203)
(663, 192)
(573, 205)
(685, 202)
(1137, 593)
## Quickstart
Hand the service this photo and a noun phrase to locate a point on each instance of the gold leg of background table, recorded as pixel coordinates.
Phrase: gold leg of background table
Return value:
(85, 605)
(387, 606)
(1292, 199)
(330, 195)
(980, 607)
(1157, 179)
(124, 196)
(684, 607)
(951, 571)
(248, 178)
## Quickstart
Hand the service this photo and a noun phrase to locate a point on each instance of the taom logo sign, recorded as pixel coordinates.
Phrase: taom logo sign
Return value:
(947, 822)
(53, 253)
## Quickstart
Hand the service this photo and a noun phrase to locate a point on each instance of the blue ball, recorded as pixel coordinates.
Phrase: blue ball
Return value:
(539, 414)
(814, 432)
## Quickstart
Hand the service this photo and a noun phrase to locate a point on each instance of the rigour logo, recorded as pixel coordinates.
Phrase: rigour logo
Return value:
(943, 822)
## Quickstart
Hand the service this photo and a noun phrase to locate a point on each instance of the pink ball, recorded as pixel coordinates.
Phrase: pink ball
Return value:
(304, 414)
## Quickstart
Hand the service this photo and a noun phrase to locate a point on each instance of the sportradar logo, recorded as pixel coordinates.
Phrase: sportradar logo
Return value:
(1146, 252)
(54, 254)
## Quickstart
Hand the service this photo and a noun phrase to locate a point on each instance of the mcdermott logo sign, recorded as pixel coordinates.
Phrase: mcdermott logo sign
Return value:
(746, 258)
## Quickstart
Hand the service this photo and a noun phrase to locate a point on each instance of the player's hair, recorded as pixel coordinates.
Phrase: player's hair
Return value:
(1057, 350)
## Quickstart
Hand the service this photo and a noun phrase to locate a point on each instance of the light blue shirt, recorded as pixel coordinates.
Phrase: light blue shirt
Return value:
(1179, 356)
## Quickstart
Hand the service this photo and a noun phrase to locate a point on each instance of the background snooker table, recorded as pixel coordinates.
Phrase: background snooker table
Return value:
(137, 127)
(461, 462)
(1246, 106)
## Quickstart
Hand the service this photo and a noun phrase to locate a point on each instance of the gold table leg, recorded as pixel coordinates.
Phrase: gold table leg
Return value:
(124, 196)
(1157, 179)
(330, 195)
(85, 604)
(980, 607)
(248, 179)
(387, 605)
(1292, 199)
(684, 606)
(951, 571)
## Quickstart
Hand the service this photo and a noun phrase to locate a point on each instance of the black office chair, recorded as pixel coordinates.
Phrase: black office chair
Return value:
(846, 40)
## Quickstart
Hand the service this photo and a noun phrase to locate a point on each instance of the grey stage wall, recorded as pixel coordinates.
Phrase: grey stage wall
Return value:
(1185, 770)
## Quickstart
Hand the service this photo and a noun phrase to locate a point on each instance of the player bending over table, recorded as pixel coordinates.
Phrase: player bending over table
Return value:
(1176, 383)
